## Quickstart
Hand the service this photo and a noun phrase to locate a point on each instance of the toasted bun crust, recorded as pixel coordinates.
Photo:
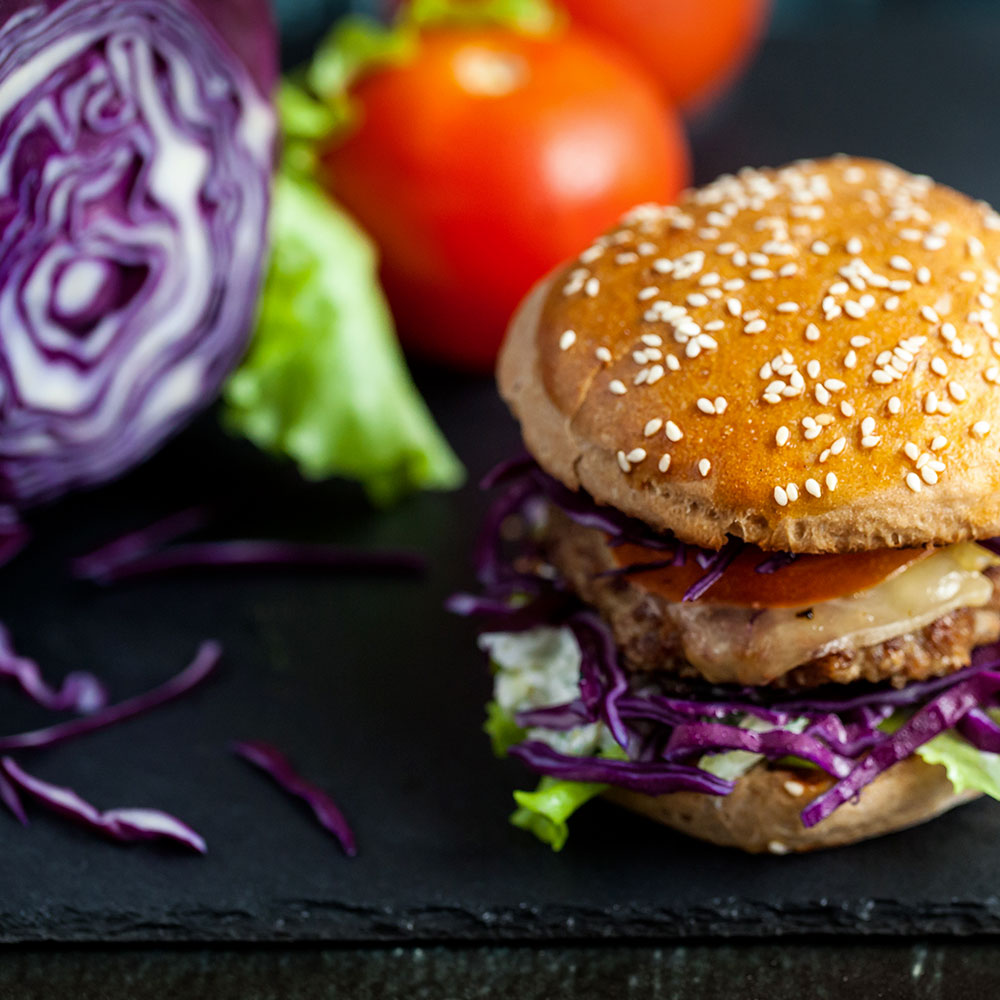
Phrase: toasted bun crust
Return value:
(762, 813)
(821, 335)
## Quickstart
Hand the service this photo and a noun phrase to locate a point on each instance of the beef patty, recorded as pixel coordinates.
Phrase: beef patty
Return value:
(650, 640)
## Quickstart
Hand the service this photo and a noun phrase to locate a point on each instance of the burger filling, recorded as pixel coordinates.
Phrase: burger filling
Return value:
(604, 677)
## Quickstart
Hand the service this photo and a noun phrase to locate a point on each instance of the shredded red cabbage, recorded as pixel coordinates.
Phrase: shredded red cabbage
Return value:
(200, 667)
(696, 738)
(942, 713)
(716, 566)
(257, 554)
(101, 562)
(80, 691)
(650, 779)
(274, 763)
(118, 824)
(10, 798)
(602, 680)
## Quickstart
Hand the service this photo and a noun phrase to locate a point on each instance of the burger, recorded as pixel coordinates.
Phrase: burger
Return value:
(743, 581)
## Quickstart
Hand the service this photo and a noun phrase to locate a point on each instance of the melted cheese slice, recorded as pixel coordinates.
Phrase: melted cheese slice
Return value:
(745, 646)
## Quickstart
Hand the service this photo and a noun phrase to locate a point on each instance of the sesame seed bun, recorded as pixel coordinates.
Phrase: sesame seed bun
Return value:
(805, 358)
(762, 813)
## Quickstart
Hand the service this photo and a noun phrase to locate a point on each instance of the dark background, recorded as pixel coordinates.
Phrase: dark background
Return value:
(373, 690)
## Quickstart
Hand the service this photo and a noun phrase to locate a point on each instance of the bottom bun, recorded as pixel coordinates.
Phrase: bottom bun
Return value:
(762, 812)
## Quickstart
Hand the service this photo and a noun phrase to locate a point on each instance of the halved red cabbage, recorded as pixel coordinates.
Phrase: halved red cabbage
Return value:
(79, 691)
(135, 164)
(126, 824)
(205, 661)
(274, 763)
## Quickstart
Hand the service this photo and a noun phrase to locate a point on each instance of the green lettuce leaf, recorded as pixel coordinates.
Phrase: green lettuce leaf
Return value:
(967, 767)
(324, 381)
(545, 811)
(501, 728)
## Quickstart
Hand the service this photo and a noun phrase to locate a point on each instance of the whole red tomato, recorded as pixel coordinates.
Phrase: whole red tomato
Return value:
(487, 160)
(693, 47)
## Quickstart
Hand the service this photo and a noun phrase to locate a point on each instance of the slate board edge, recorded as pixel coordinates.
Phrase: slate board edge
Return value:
(323, 922)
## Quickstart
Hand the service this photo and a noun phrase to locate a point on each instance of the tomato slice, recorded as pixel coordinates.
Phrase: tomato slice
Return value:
(808, 580)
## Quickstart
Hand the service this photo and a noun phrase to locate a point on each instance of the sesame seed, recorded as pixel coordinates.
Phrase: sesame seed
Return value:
(696, 299)
(720, 404)
(923, 460)
(780, 497)
(869, 441)
(867, 425)
(813, 488)
(939, 366)
(948, 331)
(623, 462)
(628, 257)
(913, 481)
(734, 284)
(663, 265)
(850, 359)
(771, 397)
(705, 405)
(655, 374)
(967, 275)
(812, 368)
(838, 288)
(854, 309)
(891, 303)
(911, 451)
(602, 354)
(853, 246)
(652, 339)
(899, 263)
(974, 246)
(673, 431)
(834, 385)
(649, 292)
(923, 275)
(883, 376)
(928, 475)
(812, 332)
(664, 462)
(932, 242)
(734, 306)
(929, 314)
(788, 270)
(824, 455)
(894, 405)
(617, 386)
(739, 258)
(672, 363)
(704, 467)
(761, 274)
(831, 314)
(792, 491)
(652, 426)
(706, 280)
(639, 357)
(567, 340)
(980, 429)
(591, 254)
(859, 340)
(847, 409)
(715, 324)
(838, 446)
(636, 455)
(831, 481)
(788, 307)
(755, 326)
(957, 392)
(820, 248)
(592, 287)
(795, 788)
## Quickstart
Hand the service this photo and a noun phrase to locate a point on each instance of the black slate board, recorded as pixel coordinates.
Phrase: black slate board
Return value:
(374, 691)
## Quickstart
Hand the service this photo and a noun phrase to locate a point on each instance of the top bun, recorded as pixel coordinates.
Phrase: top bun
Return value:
(805, 358)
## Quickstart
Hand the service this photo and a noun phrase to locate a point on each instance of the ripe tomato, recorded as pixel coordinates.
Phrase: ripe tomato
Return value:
(488, 159)
(693, 47)
(808, 580)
